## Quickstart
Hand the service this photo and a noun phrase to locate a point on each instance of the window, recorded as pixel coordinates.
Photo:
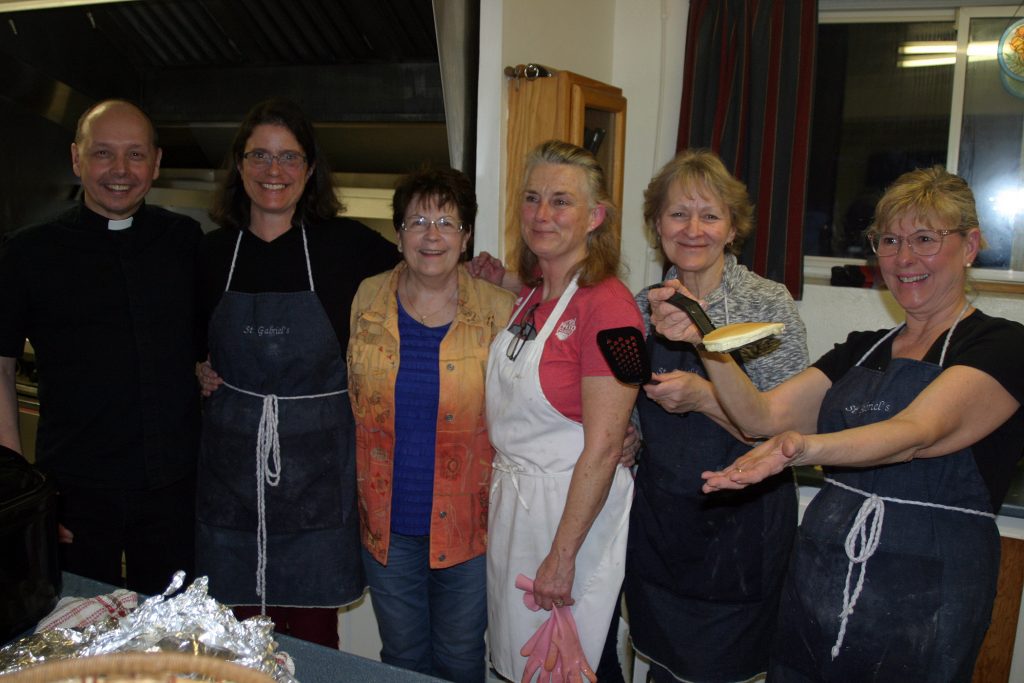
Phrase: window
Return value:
(894, 93)
(990, 152)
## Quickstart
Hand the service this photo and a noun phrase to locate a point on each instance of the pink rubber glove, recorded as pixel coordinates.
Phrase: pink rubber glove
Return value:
(559, 638)
(525, 584)
(540, 654)
(566, 639)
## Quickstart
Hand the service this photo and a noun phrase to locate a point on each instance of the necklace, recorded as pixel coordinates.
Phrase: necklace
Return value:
(423, 316)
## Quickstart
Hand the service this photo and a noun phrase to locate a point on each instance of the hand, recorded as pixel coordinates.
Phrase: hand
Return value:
(64, 534)
(486, 267)
(209, 380)
(630, 446)
(760, 462)
(677, 391)
(552, 585)
(668, 320)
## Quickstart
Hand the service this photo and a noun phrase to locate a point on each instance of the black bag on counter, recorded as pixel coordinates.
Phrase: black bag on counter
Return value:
(30, 581)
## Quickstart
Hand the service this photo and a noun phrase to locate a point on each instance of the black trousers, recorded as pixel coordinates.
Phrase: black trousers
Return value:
(154, 529)
(609, 669)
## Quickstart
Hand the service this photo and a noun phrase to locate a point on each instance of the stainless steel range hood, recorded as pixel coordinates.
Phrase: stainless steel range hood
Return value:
(369, 74)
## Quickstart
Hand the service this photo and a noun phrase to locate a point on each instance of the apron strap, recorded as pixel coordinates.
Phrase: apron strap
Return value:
(522, 305)
(305, 249)
(234, 258)
(862, 541)
(945, 344)
(309, 267)
(268, 446)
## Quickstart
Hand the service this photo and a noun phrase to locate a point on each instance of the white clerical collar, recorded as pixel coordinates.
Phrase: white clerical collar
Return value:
(120, 225)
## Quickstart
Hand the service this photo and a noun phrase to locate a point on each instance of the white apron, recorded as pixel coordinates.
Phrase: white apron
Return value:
(537, 448)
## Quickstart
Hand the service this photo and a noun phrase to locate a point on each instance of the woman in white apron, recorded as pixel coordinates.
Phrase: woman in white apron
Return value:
(919, 428)
(559, 503)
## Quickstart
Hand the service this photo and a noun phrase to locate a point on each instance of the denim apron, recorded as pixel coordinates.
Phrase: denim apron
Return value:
(895, 567)
(277, 521)
(536, 450)
(703, 572)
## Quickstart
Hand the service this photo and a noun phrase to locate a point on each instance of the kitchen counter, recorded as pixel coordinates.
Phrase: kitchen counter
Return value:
(313, 663)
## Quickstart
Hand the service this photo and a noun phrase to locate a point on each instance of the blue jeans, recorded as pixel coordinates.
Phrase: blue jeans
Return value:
(430, 620)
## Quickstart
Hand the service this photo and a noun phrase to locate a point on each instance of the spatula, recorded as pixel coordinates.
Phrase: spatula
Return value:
(626, 352)
(727, 337)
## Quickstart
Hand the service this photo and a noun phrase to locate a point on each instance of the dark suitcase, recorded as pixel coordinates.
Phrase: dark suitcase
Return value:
(30, 580)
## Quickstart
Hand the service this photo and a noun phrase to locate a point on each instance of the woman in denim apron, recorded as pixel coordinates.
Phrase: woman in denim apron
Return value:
(704, 573)
(918, 428)
(277, 522)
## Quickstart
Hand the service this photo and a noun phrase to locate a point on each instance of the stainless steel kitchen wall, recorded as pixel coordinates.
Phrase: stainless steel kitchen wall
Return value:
(368, 72)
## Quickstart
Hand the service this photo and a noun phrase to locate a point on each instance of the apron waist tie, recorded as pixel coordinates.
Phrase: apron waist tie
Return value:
(503, 464)
(862, 541)
(268, 450)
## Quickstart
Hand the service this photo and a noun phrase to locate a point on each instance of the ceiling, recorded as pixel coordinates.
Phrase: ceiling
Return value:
(368, 70)
(162, 34)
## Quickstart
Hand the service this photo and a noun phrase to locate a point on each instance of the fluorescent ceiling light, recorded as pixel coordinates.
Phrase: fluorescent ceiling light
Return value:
(928, 48)
(912, 62)
(943, 53)
(25, 5)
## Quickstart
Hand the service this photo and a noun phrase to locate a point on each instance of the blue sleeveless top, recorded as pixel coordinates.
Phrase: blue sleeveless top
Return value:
(416, 403)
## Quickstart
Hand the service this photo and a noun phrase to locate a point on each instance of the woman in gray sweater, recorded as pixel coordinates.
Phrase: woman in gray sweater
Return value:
(703, 574)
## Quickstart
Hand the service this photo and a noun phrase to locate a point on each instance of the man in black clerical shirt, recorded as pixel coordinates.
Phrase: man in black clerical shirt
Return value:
(106, 293)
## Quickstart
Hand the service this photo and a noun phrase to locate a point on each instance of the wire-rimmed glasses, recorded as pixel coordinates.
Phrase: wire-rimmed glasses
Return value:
(446, 225)
(261, 158)
(922, 242)
(525, 330)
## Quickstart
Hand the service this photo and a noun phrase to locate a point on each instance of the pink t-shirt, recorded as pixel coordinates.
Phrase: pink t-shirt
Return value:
(571, 351)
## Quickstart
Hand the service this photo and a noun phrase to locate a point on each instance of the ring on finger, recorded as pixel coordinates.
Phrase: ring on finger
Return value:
(559, 602)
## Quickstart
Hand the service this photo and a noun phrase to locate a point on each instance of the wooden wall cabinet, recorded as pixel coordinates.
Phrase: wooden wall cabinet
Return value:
(563, 106)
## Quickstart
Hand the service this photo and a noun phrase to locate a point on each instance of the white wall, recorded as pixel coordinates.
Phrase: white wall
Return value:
(648, 50)
(831, 312)
(636, 45)
(573, 35)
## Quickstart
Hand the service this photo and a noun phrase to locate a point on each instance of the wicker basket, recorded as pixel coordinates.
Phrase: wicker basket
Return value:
(138, 667)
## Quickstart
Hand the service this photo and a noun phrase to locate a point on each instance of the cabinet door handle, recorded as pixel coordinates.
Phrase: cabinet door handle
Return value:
(528, 71)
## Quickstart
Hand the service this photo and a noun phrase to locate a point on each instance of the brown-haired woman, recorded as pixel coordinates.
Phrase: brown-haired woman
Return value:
(703, 576)
(277, 522)
(417, 357)
(557, 416)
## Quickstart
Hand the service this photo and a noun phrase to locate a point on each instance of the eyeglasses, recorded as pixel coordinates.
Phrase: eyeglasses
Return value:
(525, 330)
(922, 242)
(446, 225)
(261, 158)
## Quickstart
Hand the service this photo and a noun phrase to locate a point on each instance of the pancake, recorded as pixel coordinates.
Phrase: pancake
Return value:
(733, 336)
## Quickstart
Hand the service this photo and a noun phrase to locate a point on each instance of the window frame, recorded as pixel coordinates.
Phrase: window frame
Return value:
(819, 268)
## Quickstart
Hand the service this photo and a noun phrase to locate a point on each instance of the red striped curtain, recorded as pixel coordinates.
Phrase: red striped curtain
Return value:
(747, 92)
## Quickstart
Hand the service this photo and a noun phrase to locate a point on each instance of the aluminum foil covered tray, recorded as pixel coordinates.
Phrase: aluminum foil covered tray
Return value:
(188, 622)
